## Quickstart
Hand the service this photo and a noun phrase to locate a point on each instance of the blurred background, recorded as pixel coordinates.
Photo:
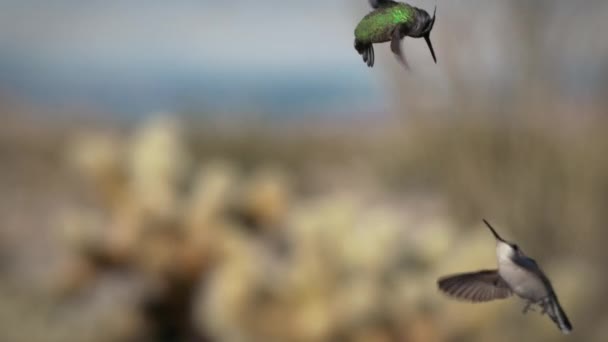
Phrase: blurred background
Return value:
(232, 171)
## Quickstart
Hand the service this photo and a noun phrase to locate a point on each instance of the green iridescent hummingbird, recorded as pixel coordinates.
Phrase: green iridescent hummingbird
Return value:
(392, 21)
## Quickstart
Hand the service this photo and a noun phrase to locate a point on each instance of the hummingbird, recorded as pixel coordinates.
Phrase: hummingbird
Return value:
(392, 21)
(516, 274)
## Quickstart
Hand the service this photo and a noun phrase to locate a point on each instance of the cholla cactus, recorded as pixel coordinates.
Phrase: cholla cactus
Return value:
(242, 256)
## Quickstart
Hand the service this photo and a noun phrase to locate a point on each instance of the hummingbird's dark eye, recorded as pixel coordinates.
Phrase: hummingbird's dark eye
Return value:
(515, 247)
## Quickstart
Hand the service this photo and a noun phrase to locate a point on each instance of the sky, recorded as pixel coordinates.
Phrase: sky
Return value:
(142, 56)
(276, 57)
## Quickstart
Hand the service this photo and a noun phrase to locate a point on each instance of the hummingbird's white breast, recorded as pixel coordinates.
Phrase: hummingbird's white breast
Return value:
(524, 282)
(504, 252)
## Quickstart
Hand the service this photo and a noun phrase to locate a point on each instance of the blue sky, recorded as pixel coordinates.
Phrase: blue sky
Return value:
(272, 56)
(162, 52)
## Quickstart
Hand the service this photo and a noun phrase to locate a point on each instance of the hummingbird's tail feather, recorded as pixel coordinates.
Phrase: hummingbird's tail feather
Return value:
(557, 314)
(367, 52)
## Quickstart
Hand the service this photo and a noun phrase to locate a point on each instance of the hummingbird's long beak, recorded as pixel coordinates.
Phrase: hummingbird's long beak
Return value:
(427, 36)
(493, 231)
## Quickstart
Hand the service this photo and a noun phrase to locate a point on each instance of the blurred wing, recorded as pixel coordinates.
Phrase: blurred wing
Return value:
(479, 286)
(396, 48)
(381, 3)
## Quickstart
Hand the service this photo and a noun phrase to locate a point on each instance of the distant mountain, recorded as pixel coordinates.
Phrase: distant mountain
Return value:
(141, 89)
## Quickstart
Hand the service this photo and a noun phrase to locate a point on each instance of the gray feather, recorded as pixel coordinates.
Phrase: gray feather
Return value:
(479, 286)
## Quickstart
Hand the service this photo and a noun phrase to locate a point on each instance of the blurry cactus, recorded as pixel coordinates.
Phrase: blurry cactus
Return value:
(158, 164)
(213, 192)
(231, 253)
(83, 232)
(341, 272)
(99, 159)
(265, 199)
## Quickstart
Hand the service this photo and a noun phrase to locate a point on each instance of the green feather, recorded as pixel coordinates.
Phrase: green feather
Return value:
(378, 26)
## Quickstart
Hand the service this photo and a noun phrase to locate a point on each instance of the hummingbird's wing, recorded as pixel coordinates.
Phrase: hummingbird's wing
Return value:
(396, 48)
(481, 286)
(381, 3)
